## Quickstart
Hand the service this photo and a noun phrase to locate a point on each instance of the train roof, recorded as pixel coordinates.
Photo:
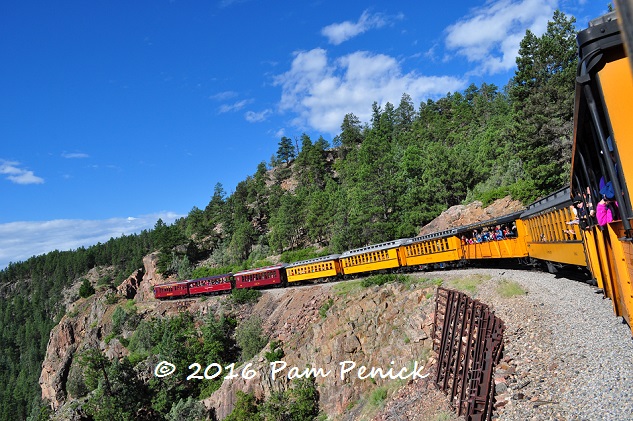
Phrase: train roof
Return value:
(259, 270)
(315, 260)
(500, 220)
(557, 200)
(435, 235)
(374, 247)
(166, 284)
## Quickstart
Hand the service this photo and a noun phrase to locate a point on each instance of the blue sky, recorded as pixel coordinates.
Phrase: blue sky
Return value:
(114, 114)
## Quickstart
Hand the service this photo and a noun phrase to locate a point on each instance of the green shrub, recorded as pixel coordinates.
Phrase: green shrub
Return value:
(325, 307)
(292, 256)
(188, 409)
(75, 385)
(250, 337)
(86, 289)
(276, 351)
(378, 397)
(112, 298)
(118, 319)
(204, 272)
(245, 408)
(104, 281)
(245, 295)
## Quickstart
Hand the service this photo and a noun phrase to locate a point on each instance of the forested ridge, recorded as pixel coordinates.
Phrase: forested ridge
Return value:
(372, 183)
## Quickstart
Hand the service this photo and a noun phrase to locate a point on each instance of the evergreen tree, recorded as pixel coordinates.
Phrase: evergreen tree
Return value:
(542, 93)
(286, 151)
(86, 289)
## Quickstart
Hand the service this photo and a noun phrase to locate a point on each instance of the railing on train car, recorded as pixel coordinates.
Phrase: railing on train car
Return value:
(468, 338)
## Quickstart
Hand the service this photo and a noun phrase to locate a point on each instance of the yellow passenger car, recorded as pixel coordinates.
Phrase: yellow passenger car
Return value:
(318, 268)
(372, 258)
(602, 157)
(481, 240)
(553, 230)
(440, 247)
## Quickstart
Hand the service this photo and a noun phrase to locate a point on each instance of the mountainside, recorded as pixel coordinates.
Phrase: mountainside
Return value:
(330, 327)
(320, 326)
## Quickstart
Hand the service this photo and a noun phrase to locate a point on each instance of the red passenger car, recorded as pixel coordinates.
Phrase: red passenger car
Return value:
(269, 275)
(171, 290)
(211, 284)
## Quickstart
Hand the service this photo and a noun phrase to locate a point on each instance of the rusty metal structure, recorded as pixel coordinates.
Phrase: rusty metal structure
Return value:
(468, 339)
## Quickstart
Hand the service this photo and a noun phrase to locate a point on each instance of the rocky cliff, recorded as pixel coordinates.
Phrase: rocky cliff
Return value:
(320, 326)
(383, 327)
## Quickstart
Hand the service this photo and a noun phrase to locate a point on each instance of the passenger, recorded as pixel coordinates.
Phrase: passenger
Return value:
(498, 233)
(581, 212)
(603, 211)
(514, 229)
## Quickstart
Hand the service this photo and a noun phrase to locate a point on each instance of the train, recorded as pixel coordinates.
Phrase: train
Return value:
(585, 225)
(507, 238)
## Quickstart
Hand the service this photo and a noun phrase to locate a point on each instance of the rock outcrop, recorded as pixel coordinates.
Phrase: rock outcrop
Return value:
(474, 212)
(77, 330)
(130, 286)
(386, 327)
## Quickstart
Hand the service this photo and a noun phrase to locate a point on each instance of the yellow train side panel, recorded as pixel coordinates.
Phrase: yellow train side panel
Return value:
(503, 249)
(604, 251)
(431, 251)
(571, 253)
(315, 270)
(591, 249)
(371, 261)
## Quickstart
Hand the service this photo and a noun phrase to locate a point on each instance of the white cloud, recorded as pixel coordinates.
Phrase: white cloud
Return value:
(253, 117)
(18, 175)
(236, 106)
(337, 33)
(490, 35)
(223, 96)
(75, 155)
(21, 240)
(322, 92)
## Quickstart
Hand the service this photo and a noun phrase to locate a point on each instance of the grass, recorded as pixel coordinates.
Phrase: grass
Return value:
(509, 289)
(469, 283)
(344, 288)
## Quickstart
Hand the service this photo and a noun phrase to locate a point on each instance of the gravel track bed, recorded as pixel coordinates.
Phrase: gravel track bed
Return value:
(566, 356)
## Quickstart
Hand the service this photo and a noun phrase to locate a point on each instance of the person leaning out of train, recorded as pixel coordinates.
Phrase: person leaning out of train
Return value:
(604, 215)
(607, 208)
(580, 211)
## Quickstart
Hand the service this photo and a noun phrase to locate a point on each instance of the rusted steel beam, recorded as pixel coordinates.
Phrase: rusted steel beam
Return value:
(468, 338)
